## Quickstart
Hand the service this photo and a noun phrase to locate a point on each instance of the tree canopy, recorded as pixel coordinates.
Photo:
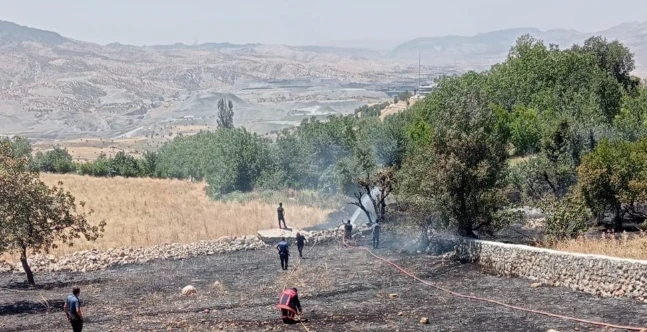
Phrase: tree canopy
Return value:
(33, 216)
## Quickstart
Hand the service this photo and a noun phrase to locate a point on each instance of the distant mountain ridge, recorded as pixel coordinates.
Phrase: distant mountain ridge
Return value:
(60, 86)
(13, 33)
(488, 48)
(53, 86)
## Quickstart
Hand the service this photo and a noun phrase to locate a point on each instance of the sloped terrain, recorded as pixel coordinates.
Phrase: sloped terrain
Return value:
(341, 290)
(53, 87)
(485, 49)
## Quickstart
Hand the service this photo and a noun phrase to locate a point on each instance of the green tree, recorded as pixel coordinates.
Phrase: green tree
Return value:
(613, 179)
(525, 130)
(612, 57)
(56, 160)
(124, 165)
(389, 139)
(631, 123)
(149, 164)
(225, 114)
(310, 155)
(566, 218)
(35, 217)
(98, 167)
(239, 161)
(20, 146)
(465, 164)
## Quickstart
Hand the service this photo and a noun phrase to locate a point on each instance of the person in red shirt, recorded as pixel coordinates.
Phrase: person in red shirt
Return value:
(289, 305)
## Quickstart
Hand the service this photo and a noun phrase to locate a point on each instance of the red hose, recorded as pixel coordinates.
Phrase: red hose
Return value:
(476, 298)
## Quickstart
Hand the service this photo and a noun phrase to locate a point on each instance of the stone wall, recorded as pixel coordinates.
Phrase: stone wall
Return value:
(594, 274)
(92, 260)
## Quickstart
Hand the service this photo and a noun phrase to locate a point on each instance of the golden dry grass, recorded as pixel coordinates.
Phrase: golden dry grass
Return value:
(622, 245)
(146, 212)
(88, 149)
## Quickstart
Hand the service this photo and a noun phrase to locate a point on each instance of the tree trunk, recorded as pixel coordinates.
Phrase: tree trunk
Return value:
(368, 215)
(617, 220)
(25, 266)
(467, 232)
(424, 238)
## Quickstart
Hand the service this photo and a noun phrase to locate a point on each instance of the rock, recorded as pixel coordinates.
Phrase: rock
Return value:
(424, 320)
(536, 284)
(551, 330)
(189, 290)
(400, 313)
(272, 236)
(393, 295)
(224, 239)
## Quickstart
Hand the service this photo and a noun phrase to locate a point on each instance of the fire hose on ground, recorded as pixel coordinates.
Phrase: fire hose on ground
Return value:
(483, 299)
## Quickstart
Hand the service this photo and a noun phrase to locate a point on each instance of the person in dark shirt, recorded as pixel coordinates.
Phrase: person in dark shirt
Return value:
(281, 214)
(348, 230)
(72, 310)
(376, 235)
(301, 241)
(284, 252)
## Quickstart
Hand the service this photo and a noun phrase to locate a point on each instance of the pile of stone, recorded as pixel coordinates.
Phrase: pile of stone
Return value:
(332, 235)
(273, 236)
(92, 260)
(5, 266)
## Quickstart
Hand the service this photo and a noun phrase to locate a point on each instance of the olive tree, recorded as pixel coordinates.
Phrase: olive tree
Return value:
(34, 216)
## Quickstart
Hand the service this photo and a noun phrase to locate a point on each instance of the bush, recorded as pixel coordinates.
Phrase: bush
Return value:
(56, 160)
(567, 218)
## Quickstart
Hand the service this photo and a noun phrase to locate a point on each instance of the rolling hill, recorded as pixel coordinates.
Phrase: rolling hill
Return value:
(485, 49)
(53, 87)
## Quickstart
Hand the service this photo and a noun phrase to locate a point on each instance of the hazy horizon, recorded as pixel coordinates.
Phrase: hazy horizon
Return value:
(148, 22)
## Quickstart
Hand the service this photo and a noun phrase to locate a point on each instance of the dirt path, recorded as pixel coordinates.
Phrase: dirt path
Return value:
(341, 290)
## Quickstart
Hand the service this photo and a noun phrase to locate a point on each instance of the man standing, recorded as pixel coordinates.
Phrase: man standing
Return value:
(376, 235)
(284, 253)
(72, 310)
(348, 230)
(301, 241)
(281, 214)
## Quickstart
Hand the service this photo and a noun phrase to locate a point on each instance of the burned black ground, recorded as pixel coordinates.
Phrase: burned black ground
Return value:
(341, 290)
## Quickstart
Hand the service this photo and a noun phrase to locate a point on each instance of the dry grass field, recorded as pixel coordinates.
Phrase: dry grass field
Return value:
(89, 149)
(621, 245)
(146, 212)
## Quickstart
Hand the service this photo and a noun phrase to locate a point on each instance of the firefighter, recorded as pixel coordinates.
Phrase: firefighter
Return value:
(301, 241)
(289, 305)
(348, 230)
(281, 215)
(284, 253)
(376, 235)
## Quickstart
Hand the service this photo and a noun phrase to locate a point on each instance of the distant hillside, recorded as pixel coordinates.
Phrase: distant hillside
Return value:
(488, 48)
(482, 48)
(11, 33)
(55, 87)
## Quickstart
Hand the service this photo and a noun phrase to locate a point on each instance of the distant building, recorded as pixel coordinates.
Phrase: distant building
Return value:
(424, 90)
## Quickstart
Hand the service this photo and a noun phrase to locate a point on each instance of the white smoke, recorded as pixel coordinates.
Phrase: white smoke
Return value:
(366, 201)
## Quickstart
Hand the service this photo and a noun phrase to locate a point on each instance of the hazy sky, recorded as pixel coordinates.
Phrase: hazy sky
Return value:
(149, 22)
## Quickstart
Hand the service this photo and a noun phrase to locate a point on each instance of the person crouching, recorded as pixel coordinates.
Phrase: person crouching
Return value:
(290, 306)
